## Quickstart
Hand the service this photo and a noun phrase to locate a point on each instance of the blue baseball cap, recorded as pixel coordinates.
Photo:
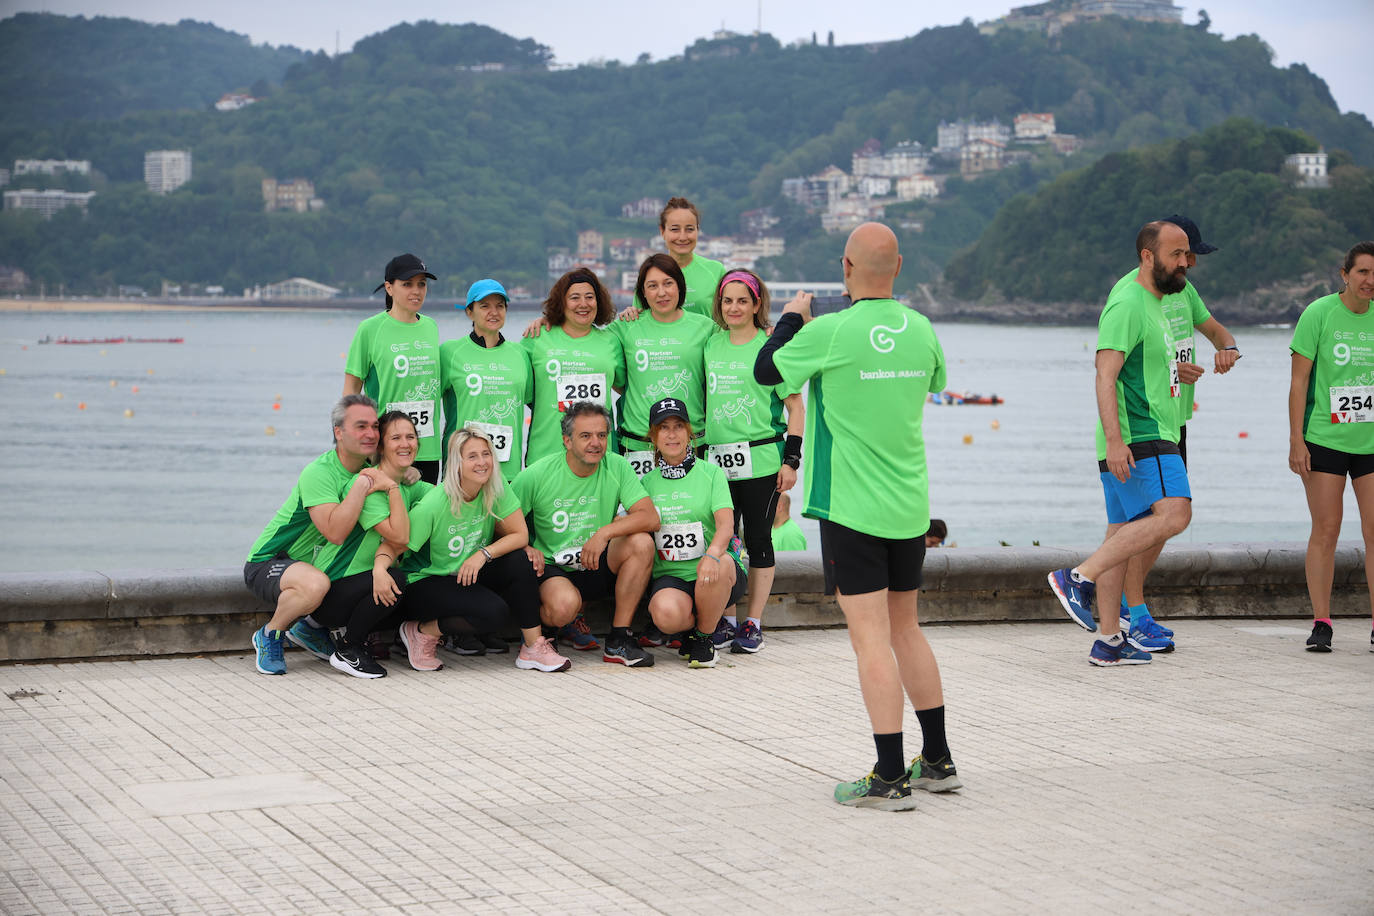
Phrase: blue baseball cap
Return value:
(484, 288)
(1195, 243)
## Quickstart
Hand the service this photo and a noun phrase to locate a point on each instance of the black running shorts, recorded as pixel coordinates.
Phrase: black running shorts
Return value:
(856, 563)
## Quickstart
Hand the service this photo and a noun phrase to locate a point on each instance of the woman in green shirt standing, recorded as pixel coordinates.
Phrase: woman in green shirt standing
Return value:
(1331, 425)
(748, 437)
(394, 358)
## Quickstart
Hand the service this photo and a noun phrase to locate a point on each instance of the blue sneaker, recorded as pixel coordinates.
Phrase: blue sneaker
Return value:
(1150, 627)
(579, 634)
(1146, 643)
(267, 644)
(724, 634)
(1106, 655)
(1075, 596)
(314, 640)
(748, 639)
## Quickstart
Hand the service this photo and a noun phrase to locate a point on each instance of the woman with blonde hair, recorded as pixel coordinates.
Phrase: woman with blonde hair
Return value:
(466, 567)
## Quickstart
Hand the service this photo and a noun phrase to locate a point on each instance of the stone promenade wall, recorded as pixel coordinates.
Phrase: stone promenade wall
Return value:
(70, 615)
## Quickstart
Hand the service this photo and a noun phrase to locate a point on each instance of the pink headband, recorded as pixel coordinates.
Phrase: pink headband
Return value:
(745, 278)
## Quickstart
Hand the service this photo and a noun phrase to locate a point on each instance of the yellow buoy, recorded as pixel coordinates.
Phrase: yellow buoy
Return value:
(271, 431)
(968, 439)
(57, 396)
(103, 352)
(128, 412)
(150, 371)
(113, 383)
(995, 424)
(2, 371)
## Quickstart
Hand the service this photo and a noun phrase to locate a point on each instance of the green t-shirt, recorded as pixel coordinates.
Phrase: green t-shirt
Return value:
(686, 509)
(568, 369)
(324, 480)
(440, 541)
(1340, 391)
(702, 276)
(488, 388)
(739, 410)
(662, 360)
(399, 365)
(1133, 322)
(1184, 311)
(789, 536)
(871, 367)
(359, 549)
(565, 510)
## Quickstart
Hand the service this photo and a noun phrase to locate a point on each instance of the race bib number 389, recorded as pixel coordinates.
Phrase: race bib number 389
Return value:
(735, 459)
(1352, 404)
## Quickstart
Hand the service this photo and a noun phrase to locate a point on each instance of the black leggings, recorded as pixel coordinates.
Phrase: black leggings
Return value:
(755, 502)
(479, 607)
(349, 604)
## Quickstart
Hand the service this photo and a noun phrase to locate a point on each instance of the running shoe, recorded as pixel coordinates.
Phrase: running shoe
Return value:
(1371, 640)
(939, 776)
(651, 637)
(1150, 627)
(494, 643)
(466, 644)
(355, 660)
(579, 634)
(701, 651)
(622, 650)
(1106, 655)
(378, 646)
(724, 634)
(314, 640)
(674, 640)
(1137, 637)
(541, 656)
(419, 647)
(748, 639)
(1125, 614)
(267, 645)
(1319, 641)
(1075, 596)
(875, 792)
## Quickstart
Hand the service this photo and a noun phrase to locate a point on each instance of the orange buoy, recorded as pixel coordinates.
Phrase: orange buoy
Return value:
(134, 389)
(1243, 435)
(276, 407)
(81, 405)
(113, 383)
(968, 439)
(995, 424)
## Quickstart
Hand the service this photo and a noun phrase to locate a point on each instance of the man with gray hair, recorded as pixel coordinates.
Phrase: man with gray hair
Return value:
(323, 507)
(580, 548)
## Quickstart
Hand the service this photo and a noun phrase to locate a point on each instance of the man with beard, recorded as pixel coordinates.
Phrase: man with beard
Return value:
(1143, 479)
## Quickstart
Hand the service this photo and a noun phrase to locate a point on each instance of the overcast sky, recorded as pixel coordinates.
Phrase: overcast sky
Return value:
(1332, 37)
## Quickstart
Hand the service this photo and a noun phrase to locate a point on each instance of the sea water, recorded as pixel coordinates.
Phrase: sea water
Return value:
(143, 455)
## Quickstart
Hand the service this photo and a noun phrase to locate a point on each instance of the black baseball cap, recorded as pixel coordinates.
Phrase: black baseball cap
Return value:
(403, 267)
(1195, 243)
(668, 407)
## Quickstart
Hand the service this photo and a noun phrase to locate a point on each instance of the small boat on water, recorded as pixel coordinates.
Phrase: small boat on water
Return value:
(961, 397)
(155, 340)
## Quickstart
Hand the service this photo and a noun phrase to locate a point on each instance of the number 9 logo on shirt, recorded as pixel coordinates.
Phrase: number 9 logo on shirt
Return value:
(474, 383)
(401, 364)
(455, 546)
(711, 383)
(554, 368)
(560, 521)
(1342, 353)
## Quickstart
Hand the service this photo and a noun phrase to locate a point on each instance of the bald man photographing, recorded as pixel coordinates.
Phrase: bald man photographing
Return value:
(870, 368)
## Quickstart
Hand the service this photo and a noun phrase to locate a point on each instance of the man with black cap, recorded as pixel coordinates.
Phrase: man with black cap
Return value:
(1184, 311)
(394, 358)
(580, 548)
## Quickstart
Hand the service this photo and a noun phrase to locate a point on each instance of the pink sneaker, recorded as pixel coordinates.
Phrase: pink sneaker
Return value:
(420, 647)
(542, 656)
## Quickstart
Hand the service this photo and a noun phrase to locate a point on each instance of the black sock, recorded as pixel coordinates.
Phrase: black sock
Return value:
(891, 762)
(934, 748)
(621, 631)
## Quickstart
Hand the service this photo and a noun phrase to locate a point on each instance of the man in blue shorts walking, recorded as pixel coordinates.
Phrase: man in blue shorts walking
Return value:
(1143, 478)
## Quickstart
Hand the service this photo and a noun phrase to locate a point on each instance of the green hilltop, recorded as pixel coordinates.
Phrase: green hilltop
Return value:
(464, 145)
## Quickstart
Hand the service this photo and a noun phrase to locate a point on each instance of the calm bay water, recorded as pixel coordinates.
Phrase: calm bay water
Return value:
(193, 476)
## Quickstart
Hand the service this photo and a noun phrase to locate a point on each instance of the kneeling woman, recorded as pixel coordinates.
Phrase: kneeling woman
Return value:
(467, 569)
(695, 579)
(361, 590)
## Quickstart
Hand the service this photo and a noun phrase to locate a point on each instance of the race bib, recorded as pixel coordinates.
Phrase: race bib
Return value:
(501, 438)
(683, 541)
(642, 462)
(569, 557)
(736, 459)
(589, 386)
(421, 413)
(1352, 404)
(1184, 354)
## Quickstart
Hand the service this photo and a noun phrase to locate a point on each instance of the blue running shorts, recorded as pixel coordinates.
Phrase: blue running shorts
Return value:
(1152, 479)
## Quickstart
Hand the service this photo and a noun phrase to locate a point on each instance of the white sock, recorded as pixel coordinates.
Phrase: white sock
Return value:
(310, 619)
(755, 621)
(1113, 640)
(730, 620)
(1078, 576)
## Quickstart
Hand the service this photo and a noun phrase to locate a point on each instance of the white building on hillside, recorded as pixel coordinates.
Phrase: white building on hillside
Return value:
(165, 170)
(51, 166)
(914, 186)
(1034, 126)
(47, 202)
(1311, 168)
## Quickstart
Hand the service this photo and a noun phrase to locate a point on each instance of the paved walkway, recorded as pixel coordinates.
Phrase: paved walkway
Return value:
(1231, 777)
